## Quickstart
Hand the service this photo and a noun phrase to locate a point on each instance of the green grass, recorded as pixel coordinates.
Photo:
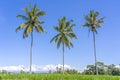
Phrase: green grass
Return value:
(55, 77)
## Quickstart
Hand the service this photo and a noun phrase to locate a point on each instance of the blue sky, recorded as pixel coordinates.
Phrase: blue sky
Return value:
(14, 50)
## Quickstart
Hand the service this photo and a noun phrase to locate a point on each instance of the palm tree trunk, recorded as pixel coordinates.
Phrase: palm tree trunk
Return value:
(31, 52)
(63, 58)
(96, 69)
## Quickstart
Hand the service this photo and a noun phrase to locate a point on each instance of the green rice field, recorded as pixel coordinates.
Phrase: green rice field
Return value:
(55, 77)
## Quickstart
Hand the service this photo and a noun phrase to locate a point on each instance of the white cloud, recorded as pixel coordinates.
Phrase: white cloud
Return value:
(35, 68)
(12, 68)
(117, 66)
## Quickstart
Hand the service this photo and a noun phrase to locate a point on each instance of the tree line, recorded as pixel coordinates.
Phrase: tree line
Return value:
(102, 69)
(64, 28)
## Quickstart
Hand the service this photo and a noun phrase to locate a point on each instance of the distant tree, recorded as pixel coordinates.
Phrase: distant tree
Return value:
(113, 70)
(22, 72)
(92, 22)
(4, 72)
(90, 70)
(101, 68)
(58, 70)
(110, 68)
(31, 23)
(49, 71)
(67, 71)
(71, 71)
(65, 33)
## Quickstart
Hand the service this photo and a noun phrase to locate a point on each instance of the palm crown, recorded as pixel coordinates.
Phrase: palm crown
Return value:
(92, 22)
(65, 32)
(32, 20)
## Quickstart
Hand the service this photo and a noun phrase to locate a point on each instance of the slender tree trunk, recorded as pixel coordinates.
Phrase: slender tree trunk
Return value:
(96, 69)
(31, 52)
(63, 58)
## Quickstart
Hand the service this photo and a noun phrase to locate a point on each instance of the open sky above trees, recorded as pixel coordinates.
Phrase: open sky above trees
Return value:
(14, 50)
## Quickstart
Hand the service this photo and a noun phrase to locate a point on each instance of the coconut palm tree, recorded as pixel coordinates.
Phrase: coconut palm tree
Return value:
(31, 24)
(65, 33)
(92, 22)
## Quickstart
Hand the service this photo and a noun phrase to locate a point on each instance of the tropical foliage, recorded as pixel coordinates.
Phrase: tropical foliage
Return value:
(65, 33)
(102, 69)
(31, 24)
(92, 23)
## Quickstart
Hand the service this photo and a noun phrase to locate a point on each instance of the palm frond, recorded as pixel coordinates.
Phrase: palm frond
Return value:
(101, 20)
(39, 28)
(96, 31)
(71, 44)
(72, 35)
(68, 23)
(26, 10)
(57, 36)
(59, 42)
(96, 14)
(22, 16)
(63, 24)
(40, 13)
(40, 22)
(66, 41)
(57, 28)
(27, 31)
(34, 9)
(21, 26)
(87, 18)
(87, 24)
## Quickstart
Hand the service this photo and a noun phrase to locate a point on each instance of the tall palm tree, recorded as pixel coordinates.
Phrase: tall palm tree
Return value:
(65, 33)
(92, 22)
(31, 23)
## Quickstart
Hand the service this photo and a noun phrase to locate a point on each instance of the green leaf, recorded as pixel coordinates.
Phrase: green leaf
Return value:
(39, 28)
(41, 13)
(21, 26)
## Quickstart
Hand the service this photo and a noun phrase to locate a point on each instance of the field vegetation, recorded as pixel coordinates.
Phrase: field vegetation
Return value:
(69, 74)
(56, 77)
